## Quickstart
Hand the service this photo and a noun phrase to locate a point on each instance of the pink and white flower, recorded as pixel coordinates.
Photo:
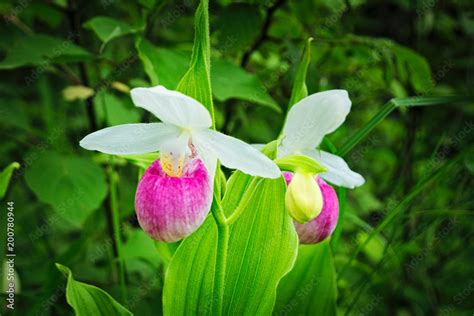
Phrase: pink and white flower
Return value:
(308, 121)
(174, 195)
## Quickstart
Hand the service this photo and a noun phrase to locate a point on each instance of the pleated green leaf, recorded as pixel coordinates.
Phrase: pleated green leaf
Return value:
(262, 249)
(197, 81)
(189, 280)
(310, 288)
(88, 300)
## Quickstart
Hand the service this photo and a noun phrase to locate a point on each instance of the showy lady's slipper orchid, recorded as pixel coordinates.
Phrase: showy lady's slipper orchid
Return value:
(323, 225)
(308, 121)
(174, 195)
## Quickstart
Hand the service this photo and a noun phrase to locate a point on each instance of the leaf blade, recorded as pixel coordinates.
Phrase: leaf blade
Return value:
(87, 299)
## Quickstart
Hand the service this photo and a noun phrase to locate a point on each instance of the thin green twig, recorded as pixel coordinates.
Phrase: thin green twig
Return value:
(221, 255)
(117, 232)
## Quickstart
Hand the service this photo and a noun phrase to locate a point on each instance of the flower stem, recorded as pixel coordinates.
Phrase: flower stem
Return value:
(116, 229)
(221, 255)
(221, 266)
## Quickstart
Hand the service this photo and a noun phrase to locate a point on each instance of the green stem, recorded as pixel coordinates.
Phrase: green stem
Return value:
(221, 255)
(361, 133)
(243, 202)
(117, 236)
(392, 105)
(221, 265)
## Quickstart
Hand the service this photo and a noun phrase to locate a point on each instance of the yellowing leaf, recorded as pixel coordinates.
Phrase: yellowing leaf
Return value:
(73, 93)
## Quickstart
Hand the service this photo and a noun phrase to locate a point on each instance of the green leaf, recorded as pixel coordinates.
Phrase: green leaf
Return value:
(189, 279)
(262, 247)
(300, 90)
(245, 86)
(87, 299)
(73, 186)
(300, 163)
(310, 288)
(392, 105)
(147, 54)
(258, 257)
(196, 82)
(5, 177)
(107, 28)
(40, 50)
(162, 65)
(114, 110)
(419, 72)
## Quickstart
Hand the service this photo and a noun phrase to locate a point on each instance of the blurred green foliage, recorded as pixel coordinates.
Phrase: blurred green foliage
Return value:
(54, 52)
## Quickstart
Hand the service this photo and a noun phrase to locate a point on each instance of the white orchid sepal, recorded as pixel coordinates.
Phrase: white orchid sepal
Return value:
(308, 121)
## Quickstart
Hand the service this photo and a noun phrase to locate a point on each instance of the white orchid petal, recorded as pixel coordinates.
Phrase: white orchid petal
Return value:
(172, 107)
(208, 157)
(130, 138)
(313, 117)
(285, 151)
(236, 154)
(338, 172)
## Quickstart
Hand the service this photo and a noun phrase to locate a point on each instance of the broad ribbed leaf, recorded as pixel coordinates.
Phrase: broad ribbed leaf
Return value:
(262, 249)
(88, 300)
(189, 280)
(310, 288)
